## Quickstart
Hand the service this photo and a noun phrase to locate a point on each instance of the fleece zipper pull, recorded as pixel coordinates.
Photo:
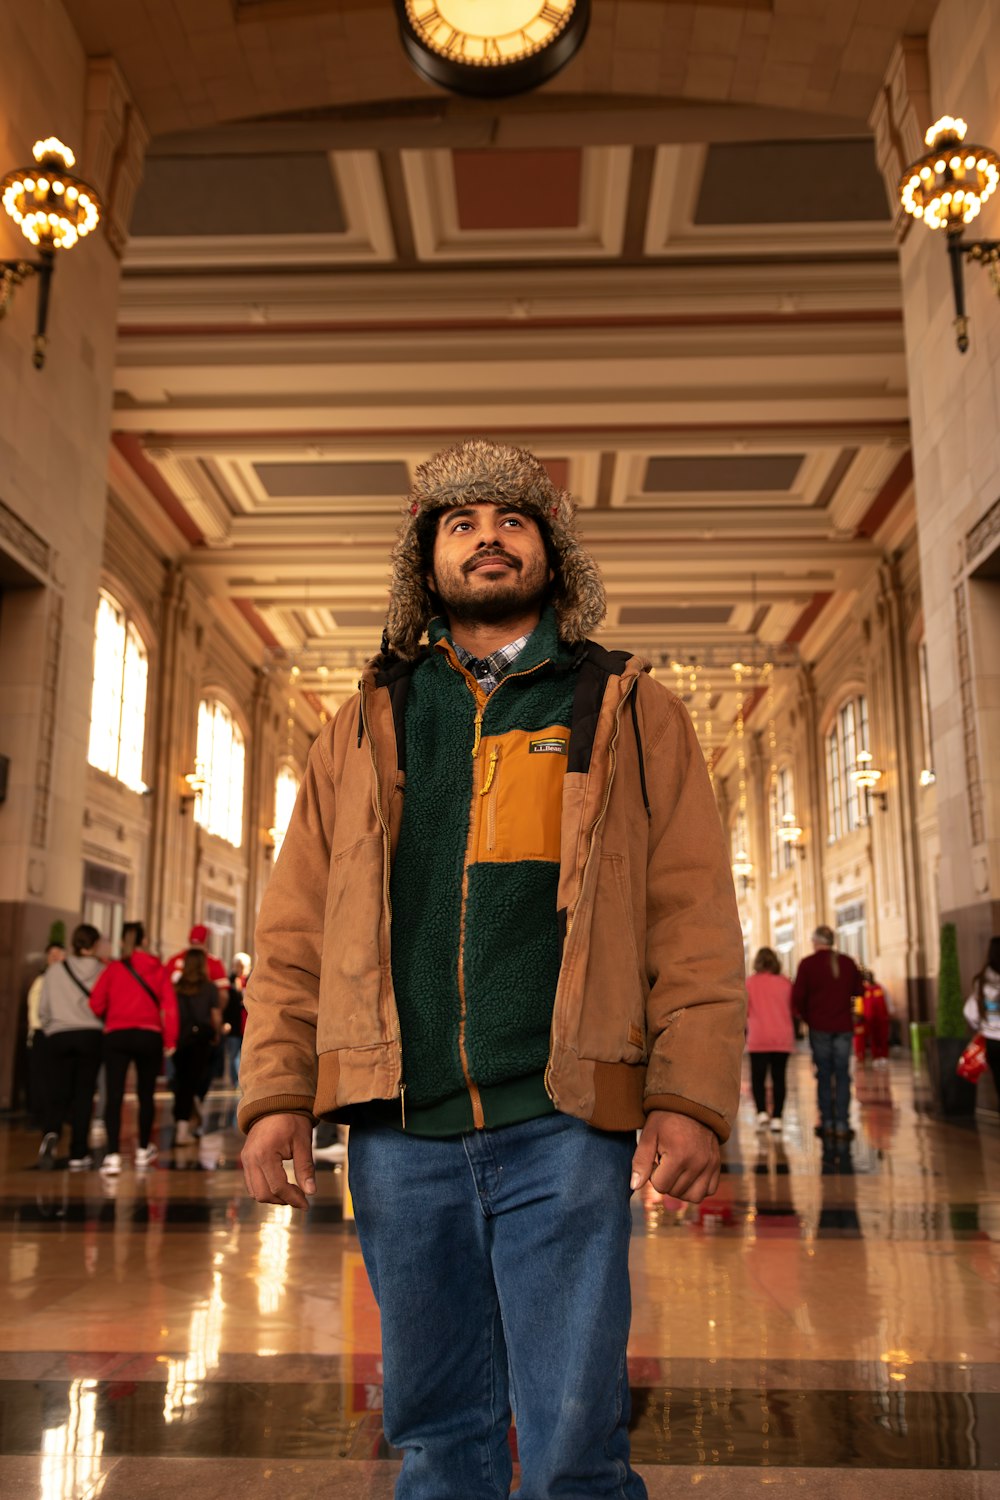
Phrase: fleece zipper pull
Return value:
(492, 768)
(479, 733)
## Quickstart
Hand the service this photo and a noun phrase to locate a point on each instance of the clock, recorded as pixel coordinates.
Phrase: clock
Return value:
(491, 48)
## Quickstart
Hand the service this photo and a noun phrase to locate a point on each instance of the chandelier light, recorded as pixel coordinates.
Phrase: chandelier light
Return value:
(54, 210)
(946, 189)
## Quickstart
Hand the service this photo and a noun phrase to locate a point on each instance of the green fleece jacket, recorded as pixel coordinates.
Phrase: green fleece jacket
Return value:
(475, 941)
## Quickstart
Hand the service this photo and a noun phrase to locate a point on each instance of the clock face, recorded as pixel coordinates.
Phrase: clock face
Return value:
(489, 33)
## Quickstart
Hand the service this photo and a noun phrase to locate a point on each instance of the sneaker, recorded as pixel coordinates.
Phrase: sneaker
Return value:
(80, 1163)
(335, 1152)
(145, 1156)
(183, 1134)
(47, 1151)
(763, 1119)
(776, 1125)
(112, 1164)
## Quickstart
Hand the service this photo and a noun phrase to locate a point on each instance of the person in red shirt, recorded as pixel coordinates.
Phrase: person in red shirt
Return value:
(823, 996)
(875, 1021)
(136, 1001)
(198, 938)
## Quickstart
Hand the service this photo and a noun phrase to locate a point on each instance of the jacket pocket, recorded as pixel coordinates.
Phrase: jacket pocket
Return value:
(351, 974)
(613, 1019)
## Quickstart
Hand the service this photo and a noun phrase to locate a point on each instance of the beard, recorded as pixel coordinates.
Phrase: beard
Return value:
(491, 601)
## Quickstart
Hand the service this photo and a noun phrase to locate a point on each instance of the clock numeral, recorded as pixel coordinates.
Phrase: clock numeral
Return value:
(525, 38)
(492, 49)
(455, 42)
(551, 14)
(430, 18)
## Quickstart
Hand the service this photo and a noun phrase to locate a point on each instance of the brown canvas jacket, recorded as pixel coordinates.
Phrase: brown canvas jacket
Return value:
(650, 1006)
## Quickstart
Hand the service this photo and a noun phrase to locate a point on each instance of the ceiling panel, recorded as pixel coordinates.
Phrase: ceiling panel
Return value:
(238, 195)
(311, 480)
(790, 182)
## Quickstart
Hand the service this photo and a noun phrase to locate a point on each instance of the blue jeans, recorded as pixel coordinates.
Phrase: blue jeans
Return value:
(499, 1260)
(831, 1052)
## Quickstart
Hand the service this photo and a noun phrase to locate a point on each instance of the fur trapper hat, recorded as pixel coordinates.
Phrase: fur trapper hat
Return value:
(480, 471)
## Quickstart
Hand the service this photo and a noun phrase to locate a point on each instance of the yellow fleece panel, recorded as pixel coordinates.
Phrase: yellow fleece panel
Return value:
(517, 795)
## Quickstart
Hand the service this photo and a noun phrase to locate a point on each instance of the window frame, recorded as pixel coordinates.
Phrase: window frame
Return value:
(225, 817)
(848, 805)
(127, 762)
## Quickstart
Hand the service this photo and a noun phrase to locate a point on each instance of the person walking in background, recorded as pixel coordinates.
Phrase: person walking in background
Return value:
(873, 1033)
(198, 938)
(234, 1016)
(137, 1003)
(823, 995)
(199, 1031)
(73, 1047)
(982, 1009)
(37, 1057)
(770, 1035)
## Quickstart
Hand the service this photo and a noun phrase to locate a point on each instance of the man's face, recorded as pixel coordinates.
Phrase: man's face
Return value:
(489, 564)
(55, 955)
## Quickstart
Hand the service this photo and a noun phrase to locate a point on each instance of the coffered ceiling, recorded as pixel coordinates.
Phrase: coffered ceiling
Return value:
(680, 290)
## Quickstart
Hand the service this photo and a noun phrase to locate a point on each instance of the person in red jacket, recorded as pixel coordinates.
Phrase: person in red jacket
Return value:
(136, 1001)
(877, 1018)
(823, 996)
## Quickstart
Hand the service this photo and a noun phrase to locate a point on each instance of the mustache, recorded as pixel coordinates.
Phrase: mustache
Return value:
(487, 555)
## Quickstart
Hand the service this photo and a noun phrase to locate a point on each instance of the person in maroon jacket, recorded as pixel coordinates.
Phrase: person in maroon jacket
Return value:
(137, 1003)
(823, 996)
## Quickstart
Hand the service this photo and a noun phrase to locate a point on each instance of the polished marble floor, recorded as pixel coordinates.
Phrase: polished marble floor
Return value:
(828, 1324)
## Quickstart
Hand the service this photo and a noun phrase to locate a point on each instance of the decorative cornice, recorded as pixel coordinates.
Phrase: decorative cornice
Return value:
(986, 530)
(33, 549)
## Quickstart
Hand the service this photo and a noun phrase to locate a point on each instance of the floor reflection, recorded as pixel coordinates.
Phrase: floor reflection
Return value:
(832, 1305)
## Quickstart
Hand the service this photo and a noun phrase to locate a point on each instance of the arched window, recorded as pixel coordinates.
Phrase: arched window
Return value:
(221, 759)
(782, 805)
(846, 805)
(286, 789)
(118, 698)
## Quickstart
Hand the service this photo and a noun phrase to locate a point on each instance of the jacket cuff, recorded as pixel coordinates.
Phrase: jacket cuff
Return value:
(274, 1104)
(676, 1104)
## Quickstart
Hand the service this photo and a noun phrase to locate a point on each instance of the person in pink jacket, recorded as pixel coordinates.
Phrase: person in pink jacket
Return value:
(770, 1034)
(137, 1003)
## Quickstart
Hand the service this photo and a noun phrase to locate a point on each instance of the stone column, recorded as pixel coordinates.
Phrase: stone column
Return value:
(53, 465)
(955, 409)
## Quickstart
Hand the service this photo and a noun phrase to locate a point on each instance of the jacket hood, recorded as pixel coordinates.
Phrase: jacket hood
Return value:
(479, 471)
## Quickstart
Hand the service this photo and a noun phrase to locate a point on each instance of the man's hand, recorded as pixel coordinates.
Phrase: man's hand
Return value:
(679, 1155)
(272, 1141)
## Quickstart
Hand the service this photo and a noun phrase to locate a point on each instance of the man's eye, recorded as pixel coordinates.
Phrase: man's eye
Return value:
(511, 521)
(460, 526)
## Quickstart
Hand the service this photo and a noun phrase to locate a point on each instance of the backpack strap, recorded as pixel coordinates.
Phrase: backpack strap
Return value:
(76, 979)
(127, 964)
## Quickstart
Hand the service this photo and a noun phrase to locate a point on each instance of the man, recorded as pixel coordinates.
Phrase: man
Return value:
(823, 996)
(505, 971)
(198, 938)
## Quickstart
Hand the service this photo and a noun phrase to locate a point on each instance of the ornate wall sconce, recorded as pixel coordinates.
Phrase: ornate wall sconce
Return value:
(791, 833)
(195, 782)
(946, 189)
(867, 776)
(743, 870)
(53, 210)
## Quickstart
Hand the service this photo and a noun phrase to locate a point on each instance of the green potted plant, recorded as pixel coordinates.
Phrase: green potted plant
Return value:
(952, 1095)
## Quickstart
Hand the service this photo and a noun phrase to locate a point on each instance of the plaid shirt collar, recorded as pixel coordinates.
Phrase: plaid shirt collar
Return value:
(487, 670)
